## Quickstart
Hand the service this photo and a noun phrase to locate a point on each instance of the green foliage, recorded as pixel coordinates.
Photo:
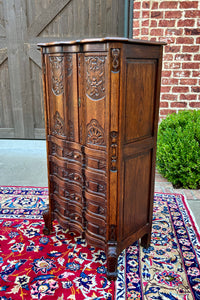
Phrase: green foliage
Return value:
(178, 149)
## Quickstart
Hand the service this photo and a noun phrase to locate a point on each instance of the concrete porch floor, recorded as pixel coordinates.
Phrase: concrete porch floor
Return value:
(23, 163)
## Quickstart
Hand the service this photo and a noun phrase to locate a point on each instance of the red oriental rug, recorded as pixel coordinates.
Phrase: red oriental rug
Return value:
(62, 266)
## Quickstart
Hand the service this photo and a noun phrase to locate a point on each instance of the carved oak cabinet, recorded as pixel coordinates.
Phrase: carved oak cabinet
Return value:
(101, 104)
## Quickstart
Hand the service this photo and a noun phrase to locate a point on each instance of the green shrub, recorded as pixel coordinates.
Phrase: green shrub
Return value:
(178, 149)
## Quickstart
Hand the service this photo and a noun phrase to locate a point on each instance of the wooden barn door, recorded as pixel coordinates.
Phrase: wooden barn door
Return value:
(23, 24)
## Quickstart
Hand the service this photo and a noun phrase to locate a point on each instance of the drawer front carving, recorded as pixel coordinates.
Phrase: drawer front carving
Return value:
(95, 205)
(96, 226)
(65, 149)
(95, 163)
(68, 211)
(68, 216)
(66, 174)
(67, 205)
(95, 182)
(74, 223)
(95, 186)
(97, 230)
(65, 164)
(95, 159)
(96, 208)
(65, 189)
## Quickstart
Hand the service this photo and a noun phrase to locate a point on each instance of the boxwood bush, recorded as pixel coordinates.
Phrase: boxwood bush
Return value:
(178, 149)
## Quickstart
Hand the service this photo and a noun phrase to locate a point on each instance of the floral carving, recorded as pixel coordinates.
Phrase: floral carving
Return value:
(56, 63)
(95, 77)
(95, 133)
(58, 124)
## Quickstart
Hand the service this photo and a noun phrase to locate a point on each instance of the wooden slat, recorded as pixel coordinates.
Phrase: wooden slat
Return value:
(91, 17)
(6, 115)
(35, 55)
(7, 133)
(3, 43)
(2, 31)
(69, 16)
(39, 133)
(108, 16)
(18, 63)
(103, 14)
(98, 19)
(83, 16)
(13, 60)
(37, 95)
(46, 16)
(3, 55)
(114, 13)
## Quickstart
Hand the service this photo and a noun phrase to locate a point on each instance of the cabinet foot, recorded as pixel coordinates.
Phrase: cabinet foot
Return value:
(112, 257)
(48, 222)
(146, 240)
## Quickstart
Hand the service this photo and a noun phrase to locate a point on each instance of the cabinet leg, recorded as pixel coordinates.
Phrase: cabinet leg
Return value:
(146, 240)
(112, 257)
(48, 222)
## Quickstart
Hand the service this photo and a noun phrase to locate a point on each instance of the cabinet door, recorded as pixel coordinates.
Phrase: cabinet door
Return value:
(62, 96)
(93, 99)
(93, 114)
(64, 150)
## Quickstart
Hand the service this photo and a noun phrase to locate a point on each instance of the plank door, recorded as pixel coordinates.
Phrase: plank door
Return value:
(23, 24)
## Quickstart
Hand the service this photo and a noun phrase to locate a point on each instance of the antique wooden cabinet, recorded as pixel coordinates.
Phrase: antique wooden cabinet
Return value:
(102, 103)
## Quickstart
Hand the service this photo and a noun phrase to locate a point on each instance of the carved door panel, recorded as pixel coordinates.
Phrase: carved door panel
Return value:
(62, 90)
(93, 113)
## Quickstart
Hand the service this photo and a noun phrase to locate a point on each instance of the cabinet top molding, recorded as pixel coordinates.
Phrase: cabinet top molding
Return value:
(100, 40)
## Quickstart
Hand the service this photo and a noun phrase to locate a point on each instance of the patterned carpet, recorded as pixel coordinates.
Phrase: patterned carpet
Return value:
(61, 266)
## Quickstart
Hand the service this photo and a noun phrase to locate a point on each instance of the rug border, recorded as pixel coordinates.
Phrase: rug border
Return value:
(189, 211)
(24, 186)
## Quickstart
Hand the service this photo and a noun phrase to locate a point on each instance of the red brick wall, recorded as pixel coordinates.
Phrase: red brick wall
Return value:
(176, 22)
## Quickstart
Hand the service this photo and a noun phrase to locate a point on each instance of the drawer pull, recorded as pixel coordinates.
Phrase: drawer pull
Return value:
(101, 231)
(70, 154)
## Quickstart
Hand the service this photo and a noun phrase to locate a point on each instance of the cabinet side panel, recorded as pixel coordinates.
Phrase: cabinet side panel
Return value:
(139, 103)
(136, 193)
